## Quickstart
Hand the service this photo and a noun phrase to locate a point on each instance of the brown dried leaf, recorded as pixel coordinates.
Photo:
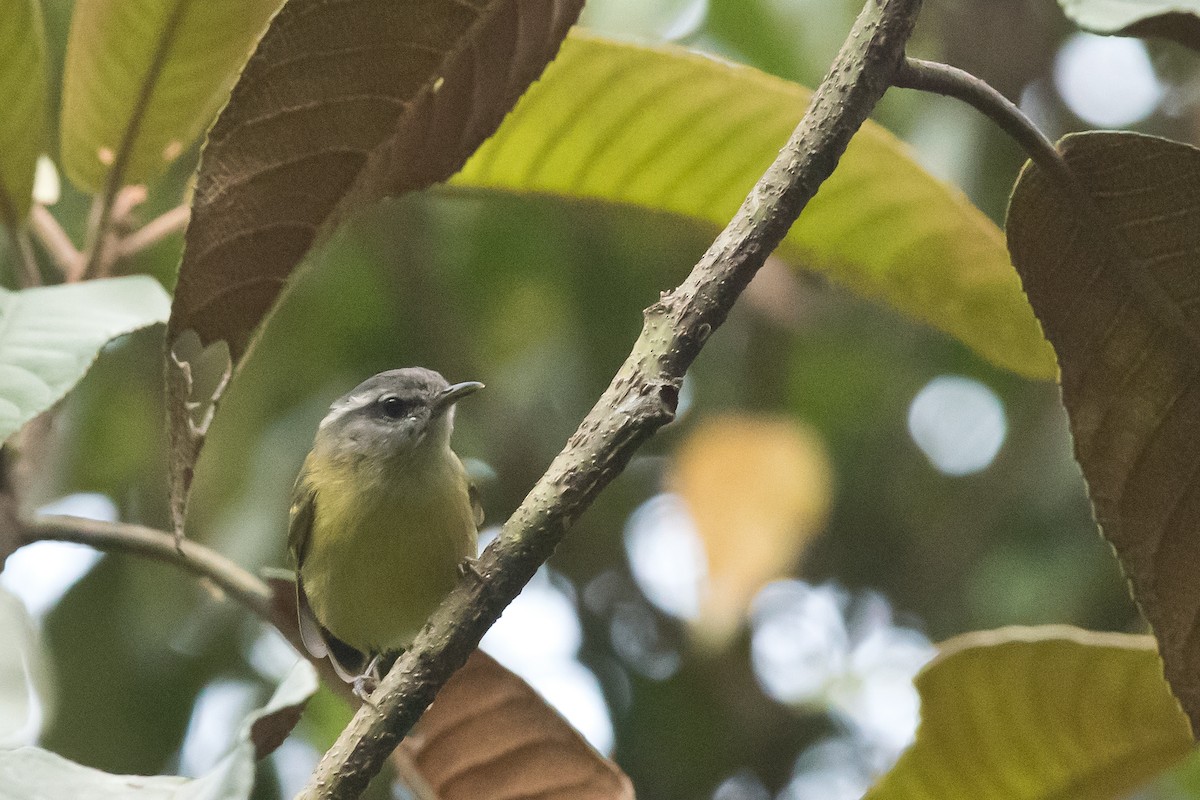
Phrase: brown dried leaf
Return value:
(343, 102)
(489, 736)
(758, 490)
(1113, 273)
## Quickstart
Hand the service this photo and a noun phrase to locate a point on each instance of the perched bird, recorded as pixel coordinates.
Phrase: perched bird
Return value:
(383, 519)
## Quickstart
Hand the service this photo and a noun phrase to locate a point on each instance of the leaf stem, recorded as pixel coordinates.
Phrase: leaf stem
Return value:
(55, 241)
(953, 82)
(30, 274)
(27, 267)
(154, 231)
(641, 399)
(943, 79)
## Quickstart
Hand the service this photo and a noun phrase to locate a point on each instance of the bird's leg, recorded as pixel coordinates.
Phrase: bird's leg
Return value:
(470, 566)
(368, 681)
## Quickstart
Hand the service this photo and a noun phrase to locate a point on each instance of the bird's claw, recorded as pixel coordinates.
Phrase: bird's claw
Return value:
(470, 566)
(364, 686)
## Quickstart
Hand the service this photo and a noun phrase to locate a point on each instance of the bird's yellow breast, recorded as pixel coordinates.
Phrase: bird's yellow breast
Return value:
(384, 549)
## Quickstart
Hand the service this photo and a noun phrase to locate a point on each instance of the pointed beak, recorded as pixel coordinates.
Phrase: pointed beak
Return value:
(452, 394)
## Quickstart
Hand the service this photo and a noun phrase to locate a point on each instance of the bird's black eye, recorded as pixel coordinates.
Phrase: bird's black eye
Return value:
(394, 407)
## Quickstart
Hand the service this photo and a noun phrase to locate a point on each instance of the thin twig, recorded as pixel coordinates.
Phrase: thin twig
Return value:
(246, 588)
(56, 242)
(233, 579)
(943, 79)
(154, 231)
(27, 268)
(107, 251)
(640, 399)
(953, 82)
(31, 275)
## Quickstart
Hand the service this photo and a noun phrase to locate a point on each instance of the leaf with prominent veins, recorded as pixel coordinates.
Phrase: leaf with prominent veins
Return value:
(672, 130)
(50, 335)
(1047, 713)
(489, 736)
(1111, 268)
(343, 102)
(144, 77)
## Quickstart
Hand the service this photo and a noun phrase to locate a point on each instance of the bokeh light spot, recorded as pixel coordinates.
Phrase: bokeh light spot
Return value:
(666, 556)
(958, 423)
(1107, 81)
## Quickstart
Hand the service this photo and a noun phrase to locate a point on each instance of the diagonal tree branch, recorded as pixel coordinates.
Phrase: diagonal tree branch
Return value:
(641, 399)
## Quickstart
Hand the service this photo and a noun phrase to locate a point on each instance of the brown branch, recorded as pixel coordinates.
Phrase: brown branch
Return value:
(272, 601)
(154, 231)
(31, 275)
(640, 399)
(55, 241)
(117, 537)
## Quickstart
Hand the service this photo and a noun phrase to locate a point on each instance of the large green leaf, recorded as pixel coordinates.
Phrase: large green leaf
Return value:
(50, 335)
(29, 773)
(1049, 713)
(664, 128)
(23, 112)
(1112, 269)
(1178, 20)
(144, 77)
(341, 104)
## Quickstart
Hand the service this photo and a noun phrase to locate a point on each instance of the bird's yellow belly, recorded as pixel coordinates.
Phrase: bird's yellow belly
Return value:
(380, 558)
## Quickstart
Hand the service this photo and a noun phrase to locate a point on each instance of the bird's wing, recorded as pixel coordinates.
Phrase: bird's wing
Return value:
(347, 661)
(303, 511)
(476, 502)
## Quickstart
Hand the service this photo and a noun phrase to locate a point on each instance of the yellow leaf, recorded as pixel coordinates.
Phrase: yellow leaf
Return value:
(758, 490)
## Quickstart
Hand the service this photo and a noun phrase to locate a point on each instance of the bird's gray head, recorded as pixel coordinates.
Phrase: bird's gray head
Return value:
(393, 414)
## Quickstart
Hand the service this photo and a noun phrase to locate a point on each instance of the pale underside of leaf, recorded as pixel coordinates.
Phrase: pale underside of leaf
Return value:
(50, 335)
(1178, 20)
(671, 130)
(343, 102)
(489, 736)
(30, 772)
(144, 77)
(1050, 713)
(1116, 288)
(23, 89)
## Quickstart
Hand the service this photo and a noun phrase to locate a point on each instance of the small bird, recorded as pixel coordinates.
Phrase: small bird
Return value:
(383, 520)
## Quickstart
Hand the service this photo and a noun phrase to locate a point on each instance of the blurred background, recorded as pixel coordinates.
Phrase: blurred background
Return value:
(740, 614)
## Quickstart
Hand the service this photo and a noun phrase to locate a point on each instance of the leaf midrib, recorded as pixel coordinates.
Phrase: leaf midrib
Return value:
(141, 105)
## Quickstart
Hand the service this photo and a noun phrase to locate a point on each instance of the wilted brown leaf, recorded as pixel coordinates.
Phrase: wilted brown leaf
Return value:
(488, 736)
(342, 103)
(758, 489)
(1113, 273)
